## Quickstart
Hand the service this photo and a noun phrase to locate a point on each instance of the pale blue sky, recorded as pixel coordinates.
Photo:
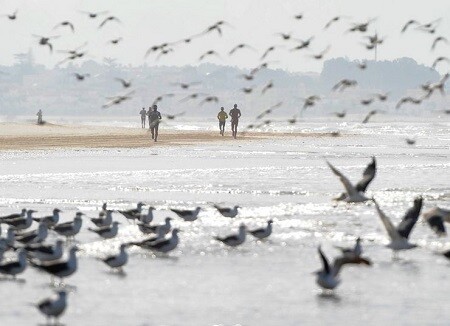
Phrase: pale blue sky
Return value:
(146, 23)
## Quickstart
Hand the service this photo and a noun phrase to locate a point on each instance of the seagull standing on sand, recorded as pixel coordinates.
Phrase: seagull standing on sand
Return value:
(234, 240)
(399, 235)
(103, 220)
(133, 214)
(143, 243)
(161, 228)
(328, 277)
(58, 268)
(53, 307)
(355, 251)
(107, 232)
(13, 216)
(35, 236)
(355, 194)
(70, 229)
(117, 261)
(164, 245)
(187, 215)
(46, 252)
(21, 223)
(227, 211)
(15, 267)
(147, 218)
(435, 218)
(262, 233)
(50, 220)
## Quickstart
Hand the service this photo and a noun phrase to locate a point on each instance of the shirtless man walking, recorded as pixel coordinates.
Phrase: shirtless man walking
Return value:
(235, 114)
(143, 114)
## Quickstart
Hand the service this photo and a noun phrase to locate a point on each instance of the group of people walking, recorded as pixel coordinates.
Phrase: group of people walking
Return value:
(154, 118)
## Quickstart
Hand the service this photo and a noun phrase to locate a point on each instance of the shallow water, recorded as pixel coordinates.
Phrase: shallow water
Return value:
(268, 283)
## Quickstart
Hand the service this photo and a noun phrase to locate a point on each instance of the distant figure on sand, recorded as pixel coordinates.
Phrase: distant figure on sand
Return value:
(154, 117)
(222, 116)
(235, 114)
(143, 114)
(39, 119)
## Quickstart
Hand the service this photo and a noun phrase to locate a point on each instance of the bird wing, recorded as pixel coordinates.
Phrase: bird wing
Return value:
(351, 191)
(326, 265)
(409, 220)
(390, 228)
(368, 176)
(437, 224)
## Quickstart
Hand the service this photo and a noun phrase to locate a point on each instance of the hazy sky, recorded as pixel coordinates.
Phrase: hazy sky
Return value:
(146, 23)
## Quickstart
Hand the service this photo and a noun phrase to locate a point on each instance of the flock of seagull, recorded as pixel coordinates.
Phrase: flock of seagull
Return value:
(33, 248)
(23, 246)
(289, 42)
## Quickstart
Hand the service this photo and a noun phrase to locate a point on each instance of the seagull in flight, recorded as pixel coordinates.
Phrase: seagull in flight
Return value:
(94, 15)
(435, 218)
(356, 194)
(109, 19)
(66, 23)
(328, 277)
(399, 235)
(355, 251)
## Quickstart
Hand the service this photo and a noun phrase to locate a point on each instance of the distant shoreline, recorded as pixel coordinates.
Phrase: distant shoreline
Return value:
(28, 136)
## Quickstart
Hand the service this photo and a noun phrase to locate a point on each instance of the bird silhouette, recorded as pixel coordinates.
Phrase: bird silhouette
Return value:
(81, 77)
(369, 115)
(407, 99)
(45, 40)
(343, 84)
(115, 41)
(125, 83)
(94, 15)
(208, 53)
(285, 36)
(186, 85)
(382, 97)
(362, 65)
(192, 97)
(240, 46)
(320, 55)
(161, 97)
(367, 101)
(299, 16)
(332, 21)
(438, 60)
(209, 99)
(247, 76)
(109, 19)
(66, 23)
(437, 40)
(173, 116)
(340, 114)
(164, 52)
(409, 23)
(268, 50)
(268, 86)
(303, 44)
(115, 100)
(12, 16)
(360, 27)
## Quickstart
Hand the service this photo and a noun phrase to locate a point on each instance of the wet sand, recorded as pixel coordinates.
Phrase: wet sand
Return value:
(17, 136)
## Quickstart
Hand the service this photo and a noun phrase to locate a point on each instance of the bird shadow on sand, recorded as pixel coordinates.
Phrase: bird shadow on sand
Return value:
(13, 280)
(117, 273)
(328, 296)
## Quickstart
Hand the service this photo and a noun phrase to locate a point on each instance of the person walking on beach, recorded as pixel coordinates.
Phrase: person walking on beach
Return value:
(39, 117)
(235, 114)
(222, 116)
(154, 117)
(143, 114)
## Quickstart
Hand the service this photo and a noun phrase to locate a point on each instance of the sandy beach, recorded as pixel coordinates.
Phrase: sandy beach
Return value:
(17, 136)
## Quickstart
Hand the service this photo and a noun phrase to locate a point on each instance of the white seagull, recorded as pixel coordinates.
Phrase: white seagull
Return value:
(15, 267)
(118, 261)
(227, 211)
(70, 229)
(262, 233)
(435, 217)
(53, 307)
(161, 228)
(328, 277)
(107, 232)
(399, 235)
(355, 194)
(187, 214)
(234, 240)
